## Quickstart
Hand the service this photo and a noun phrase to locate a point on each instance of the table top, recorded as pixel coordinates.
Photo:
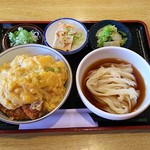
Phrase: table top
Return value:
(83, 10)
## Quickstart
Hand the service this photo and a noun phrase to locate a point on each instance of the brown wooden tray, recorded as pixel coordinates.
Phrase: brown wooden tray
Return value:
(140, 44)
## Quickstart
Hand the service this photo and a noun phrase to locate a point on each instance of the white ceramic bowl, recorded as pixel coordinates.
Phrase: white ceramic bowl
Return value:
(35, 49)
(115, 52)
(50, 29)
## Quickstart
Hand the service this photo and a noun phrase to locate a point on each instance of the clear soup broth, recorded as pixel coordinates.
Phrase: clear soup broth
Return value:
(139, 80)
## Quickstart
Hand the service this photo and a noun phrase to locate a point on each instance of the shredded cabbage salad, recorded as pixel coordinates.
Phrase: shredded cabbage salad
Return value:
(109, 35)
(22, 36)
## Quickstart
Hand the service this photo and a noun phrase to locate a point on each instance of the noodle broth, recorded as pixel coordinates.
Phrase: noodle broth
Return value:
(139, 80)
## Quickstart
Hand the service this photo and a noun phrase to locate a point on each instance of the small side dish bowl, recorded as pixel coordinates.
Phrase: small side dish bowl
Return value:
(66, 35)
(39, 50)
(123, 37)
(117, 53)
(22, 34)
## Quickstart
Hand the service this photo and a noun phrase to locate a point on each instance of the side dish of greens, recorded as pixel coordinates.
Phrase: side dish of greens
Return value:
(22, 36)
(110, 36)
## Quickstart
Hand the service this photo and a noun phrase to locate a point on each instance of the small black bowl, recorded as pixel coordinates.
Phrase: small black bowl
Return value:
(28, 27)
(120, 27)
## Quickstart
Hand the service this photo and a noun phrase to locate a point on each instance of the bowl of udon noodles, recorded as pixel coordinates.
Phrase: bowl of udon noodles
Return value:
(35, 81)
(113, 82)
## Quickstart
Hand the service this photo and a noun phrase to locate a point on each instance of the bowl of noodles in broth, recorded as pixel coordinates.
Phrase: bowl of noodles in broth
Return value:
(35, 81)
(113, 82)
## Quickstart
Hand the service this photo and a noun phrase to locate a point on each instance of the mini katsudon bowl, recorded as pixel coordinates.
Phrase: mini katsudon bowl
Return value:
(113, 82)
(66, 35)
(35, 81)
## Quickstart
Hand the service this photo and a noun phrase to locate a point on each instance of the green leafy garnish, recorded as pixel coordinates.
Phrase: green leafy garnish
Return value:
(22, 36)
(53, 69)
(109, 34)
(72, 32)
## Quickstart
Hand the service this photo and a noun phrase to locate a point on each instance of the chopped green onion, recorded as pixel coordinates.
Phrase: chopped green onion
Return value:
(22, 36)
(55, 69)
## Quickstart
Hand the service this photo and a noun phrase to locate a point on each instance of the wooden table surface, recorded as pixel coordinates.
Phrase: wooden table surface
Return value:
(84, 10)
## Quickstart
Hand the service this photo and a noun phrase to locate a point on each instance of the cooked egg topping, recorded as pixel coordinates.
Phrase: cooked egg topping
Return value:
(32, 79)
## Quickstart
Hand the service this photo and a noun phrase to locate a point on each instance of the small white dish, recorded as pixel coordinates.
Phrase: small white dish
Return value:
(49, 34)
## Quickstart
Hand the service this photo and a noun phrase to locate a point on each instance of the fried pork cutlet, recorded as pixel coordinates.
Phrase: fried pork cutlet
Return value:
(32, 113)
(17, 114)
(22, 113)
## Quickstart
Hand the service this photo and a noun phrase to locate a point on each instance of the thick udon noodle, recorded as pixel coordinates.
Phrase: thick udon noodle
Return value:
(114, 87)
